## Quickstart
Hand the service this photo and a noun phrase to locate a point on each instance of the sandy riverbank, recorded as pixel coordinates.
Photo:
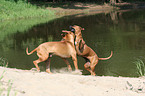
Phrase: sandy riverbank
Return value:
(31, 83)
(73, 8)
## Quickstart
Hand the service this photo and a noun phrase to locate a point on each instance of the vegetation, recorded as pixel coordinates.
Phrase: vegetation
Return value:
(100, 1)
(2, 75)
(84, 0)
(18, 9)
(140, 67)
(2, 86)
(8, 86)
(3, 62)
(10, 9)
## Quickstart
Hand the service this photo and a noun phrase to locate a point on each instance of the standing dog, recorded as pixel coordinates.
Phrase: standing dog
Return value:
(85, 51)
(64, 49)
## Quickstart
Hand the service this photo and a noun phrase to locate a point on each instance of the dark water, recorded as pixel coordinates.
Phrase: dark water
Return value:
(121, 32)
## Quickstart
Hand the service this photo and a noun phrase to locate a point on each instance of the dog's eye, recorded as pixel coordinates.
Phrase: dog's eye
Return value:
(72, 30)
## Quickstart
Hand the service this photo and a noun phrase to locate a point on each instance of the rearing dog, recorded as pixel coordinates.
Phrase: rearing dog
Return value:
(85, 51)
(64, 49)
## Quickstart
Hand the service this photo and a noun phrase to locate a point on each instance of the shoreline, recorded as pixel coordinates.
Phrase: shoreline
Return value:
(90, 8)
(67, 8)
(87, 9)
(32, 83)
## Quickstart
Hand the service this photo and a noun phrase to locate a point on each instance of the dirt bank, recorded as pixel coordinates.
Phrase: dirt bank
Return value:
(31, 83)
(81, 8)
(73, 8)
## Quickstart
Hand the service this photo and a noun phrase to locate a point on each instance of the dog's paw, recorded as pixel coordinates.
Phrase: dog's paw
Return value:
(48, 71)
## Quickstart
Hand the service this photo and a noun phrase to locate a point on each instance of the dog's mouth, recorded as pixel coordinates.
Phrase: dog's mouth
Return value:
(72, 29)
(63, 35)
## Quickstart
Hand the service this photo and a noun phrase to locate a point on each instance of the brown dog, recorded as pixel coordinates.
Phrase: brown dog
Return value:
(64, 49)
(85, 51)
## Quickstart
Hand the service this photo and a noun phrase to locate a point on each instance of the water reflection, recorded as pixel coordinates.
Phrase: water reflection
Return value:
(122, 32)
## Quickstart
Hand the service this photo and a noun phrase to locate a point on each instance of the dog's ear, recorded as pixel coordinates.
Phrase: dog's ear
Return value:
(81, 45)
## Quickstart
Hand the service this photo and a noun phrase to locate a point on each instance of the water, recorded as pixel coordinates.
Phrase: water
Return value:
(121, 32)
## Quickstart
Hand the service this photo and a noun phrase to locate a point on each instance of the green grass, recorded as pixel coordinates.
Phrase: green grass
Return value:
(9, 87)
(2, 75)
(140, 67)
(18, 10)
(3, 62)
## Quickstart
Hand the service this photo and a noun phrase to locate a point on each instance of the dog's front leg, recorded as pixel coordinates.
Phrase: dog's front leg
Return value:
(69, 66)
(48, 65)
(75, 62)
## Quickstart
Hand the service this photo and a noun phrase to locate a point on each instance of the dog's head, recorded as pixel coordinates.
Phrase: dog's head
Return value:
(76, 29)
(68, 36)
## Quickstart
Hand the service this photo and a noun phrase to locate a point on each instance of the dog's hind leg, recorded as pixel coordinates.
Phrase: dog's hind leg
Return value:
(69, 66)
(42, 57)
(92, 66)
(93, 70)
(36, 64)
(87, 65)
(48, 65)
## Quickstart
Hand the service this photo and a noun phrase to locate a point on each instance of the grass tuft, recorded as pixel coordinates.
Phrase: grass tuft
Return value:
(2, 75)
(5, 89)
(9, 88)
(140, 67)
(3, 62)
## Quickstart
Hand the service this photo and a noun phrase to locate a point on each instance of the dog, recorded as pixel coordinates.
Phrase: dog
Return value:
(64, 49)
(85, 51)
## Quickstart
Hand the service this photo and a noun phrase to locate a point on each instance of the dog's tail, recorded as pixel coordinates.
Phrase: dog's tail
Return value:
(107, 57)
(31, 51)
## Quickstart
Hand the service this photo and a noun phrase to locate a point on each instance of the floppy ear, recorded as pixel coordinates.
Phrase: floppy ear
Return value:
(81, 45)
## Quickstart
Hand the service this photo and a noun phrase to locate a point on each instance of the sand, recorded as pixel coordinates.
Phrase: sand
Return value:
(63, 83)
